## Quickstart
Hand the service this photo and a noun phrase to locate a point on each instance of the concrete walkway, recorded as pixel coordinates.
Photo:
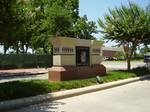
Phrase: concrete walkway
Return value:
(16, 72)
(28, 77)
(133, 97)
(22, 74)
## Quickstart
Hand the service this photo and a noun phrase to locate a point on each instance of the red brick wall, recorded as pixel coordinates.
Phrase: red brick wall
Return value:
(73, 72)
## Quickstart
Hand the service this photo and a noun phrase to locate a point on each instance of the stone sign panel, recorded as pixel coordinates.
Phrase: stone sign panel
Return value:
(75, 59)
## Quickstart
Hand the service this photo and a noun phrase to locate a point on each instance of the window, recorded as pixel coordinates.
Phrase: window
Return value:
(82, 56)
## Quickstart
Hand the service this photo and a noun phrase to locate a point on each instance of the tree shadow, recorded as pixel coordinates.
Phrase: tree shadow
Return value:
(145, 79)
(22, 89)
(139, 71)
(49, 106)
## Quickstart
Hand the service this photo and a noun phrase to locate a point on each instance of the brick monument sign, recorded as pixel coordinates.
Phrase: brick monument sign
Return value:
(75, 59)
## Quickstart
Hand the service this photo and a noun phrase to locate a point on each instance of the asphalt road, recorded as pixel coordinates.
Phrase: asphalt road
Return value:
(133, 97)
(115, 65)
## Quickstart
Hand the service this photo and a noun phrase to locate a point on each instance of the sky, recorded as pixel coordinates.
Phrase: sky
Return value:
(95, 9)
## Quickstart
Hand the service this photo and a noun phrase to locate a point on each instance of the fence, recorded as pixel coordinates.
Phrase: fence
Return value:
(25, 61)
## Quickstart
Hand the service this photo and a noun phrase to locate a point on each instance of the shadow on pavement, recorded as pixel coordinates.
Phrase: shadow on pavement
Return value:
(145, 79)
(43, 107)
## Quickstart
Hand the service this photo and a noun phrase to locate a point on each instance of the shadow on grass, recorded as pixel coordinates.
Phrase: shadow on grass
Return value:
(26, 88)
(139, 71)
(20, 89)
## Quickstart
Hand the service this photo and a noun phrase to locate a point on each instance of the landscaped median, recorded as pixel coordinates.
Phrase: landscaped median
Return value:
(26, 88)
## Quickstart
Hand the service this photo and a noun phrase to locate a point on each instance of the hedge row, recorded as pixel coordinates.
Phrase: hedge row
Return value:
(25, 61)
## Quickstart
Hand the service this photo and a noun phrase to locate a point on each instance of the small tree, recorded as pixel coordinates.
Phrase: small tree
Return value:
(128, 25)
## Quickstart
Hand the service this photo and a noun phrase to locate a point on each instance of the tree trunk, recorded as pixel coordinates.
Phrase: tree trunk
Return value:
(26, 50)
(17, 48)
(129, 50)
(135, 55)
(128, 56)
(129, 63)
(22, 47)
(5, 48)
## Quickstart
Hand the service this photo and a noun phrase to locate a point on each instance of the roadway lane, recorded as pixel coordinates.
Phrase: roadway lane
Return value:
(133, 97)
(116, 65)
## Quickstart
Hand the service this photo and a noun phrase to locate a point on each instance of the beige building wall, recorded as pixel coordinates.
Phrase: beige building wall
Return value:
(96, 59)
(83, 42)
(57, 60)
(96, 52)
(68, 60)
(64, 50)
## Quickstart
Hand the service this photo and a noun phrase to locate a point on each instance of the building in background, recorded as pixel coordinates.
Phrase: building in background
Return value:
(113, 53)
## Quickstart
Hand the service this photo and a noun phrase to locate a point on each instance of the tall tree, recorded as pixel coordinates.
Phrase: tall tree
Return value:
(53, 18)
(30, 23)
(7, 22)
(146, 40)
(14, 17)
(127, 25)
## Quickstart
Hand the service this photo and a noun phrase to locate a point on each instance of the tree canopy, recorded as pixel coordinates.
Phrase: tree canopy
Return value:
(13, 18)
(84, 29)
(29, 23)
(128, 26)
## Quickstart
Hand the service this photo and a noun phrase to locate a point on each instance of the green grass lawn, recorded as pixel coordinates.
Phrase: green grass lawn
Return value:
(26, 88)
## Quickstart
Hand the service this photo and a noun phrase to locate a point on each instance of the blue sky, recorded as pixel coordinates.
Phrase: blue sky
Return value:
(95, 9)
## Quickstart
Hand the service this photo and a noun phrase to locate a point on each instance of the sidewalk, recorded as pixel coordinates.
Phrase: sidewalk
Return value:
(22, 74)
(23, 77)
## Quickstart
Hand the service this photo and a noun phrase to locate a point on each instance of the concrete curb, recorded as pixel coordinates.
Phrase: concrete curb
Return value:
(18, 103)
